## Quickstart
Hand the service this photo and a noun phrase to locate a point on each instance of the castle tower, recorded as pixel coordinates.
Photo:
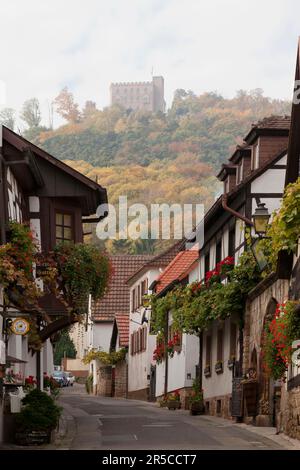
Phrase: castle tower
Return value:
(147, 96)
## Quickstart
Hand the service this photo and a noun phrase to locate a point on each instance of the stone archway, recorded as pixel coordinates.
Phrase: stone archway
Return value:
(266, 415)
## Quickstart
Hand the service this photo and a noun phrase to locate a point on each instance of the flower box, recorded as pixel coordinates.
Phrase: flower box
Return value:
(207, 371)
(219, 367)
(173, 404)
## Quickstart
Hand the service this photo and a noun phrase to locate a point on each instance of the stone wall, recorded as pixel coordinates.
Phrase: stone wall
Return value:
(104, 381)
(260, 308)
(121, 381)
(218, 406)
(142, 394)
(256, 310)
(289, 419)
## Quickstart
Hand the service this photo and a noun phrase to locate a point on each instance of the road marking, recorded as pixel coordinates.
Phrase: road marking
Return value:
(158, 425)
(135, 436)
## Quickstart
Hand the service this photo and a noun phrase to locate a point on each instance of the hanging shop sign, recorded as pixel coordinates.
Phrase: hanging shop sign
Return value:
(20, 326)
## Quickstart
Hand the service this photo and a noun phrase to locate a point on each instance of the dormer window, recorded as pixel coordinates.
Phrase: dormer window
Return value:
(255, 157)
(226, 185)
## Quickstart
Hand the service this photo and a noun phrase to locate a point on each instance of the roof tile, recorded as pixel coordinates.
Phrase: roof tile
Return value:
(179, 267)
(117, 297)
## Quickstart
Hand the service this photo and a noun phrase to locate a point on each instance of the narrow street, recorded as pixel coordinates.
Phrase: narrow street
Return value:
(109, 423)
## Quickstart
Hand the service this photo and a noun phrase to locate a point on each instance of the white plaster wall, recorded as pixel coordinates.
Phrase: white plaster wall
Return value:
(35, 227)
(79, 335)
(101, 335)
(191, 358)
(139, 364)
(160, 379)
(194, 274)
(218, 384)
(270, 181)
(176, 368)
(47, 352)
(239, 238)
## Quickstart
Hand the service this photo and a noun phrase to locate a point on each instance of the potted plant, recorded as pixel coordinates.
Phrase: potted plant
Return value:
(219, 367)
(196, 399)
(173, 401)
(207, 371)
(37, 419)
(163, 401)
(231, 362)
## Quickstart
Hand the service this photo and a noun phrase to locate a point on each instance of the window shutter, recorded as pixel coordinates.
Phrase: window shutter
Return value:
(131, 344)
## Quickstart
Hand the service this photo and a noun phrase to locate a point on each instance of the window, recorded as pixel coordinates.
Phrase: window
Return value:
(220, 345)
(239, 173)
(255, 157)
(138, 341)
(64, 227)
(208, 351)
(133, 300)
(231, 242)
(218, 252)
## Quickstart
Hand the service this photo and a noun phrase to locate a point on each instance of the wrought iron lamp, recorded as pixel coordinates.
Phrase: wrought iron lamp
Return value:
(261, 219)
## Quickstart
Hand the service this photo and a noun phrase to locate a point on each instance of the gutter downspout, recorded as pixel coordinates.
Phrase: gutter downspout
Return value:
(166, 356)
(233, 212)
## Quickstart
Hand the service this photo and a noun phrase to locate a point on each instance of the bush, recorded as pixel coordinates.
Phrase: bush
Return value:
(40, 413)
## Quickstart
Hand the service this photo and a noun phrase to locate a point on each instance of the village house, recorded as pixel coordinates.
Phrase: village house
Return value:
(177, 370)
(249, 179)
(141, 367)
(255, 168)
(104, 320)
(276, 402)
(40, 190)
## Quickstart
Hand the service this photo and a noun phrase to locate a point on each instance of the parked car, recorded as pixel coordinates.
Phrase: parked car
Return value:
(60, 377)
(70, 378)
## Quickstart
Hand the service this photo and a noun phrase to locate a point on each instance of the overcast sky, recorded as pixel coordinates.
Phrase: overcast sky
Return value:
(203, 45)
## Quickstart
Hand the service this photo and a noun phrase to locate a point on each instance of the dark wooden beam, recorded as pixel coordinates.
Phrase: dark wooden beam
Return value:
(57, 325)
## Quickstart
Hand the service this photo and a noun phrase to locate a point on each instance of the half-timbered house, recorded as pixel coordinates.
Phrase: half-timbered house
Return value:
(42, 191)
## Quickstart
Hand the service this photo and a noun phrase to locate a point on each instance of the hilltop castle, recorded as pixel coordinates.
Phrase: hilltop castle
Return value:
(148, 96)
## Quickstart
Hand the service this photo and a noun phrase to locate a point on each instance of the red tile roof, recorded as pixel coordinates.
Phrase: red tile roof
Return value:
(122, 321)
(178, 269)
(117, 298)
(159, 261)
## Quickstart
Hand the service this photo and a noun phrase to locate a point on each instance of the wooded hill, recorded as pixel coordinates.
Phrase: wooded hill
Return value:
(152, 158)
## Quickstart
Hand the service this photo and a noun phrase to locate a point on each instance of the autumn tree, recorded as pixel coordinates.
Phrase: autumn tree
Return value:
(66, 106)
(31, 113)
(8, 117)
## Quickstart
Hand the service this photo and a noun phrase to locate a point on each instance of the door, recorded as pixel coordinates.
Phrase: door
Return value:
(152, 383)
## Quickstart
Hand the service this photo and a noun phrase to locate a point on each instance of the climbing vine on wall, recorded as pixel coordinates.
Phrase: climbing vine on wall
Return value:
(284, 231)
(221, 294)
(278, 337)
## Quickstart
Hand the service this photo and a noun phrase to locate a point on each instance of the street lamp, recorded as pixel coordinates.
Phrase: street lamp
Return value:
(260, 219)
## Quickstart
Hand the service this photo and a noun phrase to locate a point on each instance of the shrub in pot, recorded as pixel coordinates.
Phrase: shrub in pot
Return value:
(196, 400)
(173, 401)
(38, 418)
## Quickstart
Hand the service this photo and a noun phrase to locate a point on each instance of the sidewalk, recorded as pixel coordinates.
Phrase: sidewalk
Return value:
(267, 432)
